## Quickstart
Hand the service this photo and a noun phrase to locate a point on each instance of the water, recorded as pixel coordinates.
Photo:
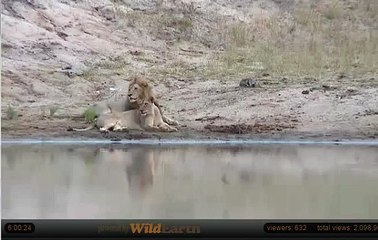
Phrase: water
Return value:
(189, 181)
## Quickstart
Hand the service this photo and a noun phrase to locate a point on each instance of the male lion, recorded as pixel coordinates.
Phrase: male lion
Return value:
(147, 117)
(139, 90)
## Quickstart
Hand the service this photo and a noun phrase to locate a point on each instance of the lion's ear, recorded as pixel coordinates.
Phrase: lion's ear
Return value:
(139, 102)
(144, 84)
(132, 81)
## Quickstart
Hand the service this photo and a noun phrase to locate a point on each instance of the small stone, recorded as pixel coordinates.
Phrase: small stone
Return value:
(342, 75)
(74, 72)
(67, 67)
(62, 35)
(351, 90)
(305, 92)
(135, 52)
(247, 82)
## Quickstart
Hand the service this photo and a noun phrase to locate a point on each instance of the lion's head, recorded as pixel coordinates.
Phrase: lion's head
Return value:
(146, 107)
(139, 90)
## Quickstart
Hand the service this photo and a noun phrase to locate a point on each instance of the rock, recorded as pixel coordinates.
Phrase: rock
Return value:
(106, 11)
(62, 35)
(248, 82)
(67, 67)
(135, 52)
(352, 90)
(74, 72)
(305, 92)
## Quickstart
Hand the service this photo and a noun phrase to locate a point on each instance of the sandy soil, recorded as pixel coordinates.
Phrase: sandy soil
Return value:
(231, 112)
(51, 51)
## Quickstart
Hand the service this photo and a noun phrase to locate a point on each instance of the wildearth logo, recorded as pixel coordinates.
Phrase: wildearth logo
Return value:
(158, 228)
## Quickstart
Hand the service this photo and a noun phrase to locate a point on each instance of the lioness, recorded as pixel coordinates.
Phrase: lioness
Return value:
(147, 117)
(151, 116)
(139, 90)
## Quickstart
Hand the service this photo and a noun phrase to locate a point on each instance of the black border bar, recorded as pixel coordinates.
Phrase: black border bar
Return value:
(187, 229)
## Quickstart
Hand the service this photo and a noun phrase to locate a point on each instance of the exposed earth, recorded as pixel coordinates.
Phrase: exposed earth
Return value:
(58, 57)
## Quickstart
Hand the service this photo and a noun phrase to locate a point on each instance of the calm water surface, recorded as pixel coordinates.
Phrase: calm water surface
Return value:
(129, 181)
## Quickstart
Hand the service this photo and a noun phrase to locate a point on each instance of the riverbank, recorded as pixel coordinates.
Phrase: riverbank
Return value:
(56, 65)
(231, 112)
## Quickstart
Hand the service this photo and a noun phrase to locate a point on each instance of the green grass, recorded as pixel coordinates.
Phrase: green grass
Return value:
(53, 110)
(89, 115)
(11, 113)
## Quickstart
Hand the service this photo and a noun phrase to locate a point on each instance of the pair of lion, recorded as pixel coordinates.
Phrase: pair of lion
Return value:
(139, 111)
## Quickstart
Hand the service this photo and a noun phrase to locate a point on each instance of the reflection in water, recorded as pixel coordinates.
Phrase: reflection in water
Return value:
(122, 181)
(140, 173)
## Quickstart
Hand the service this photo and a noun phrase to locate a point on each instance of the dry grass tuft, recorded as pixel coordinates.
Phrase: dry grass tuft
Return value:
(315, 42)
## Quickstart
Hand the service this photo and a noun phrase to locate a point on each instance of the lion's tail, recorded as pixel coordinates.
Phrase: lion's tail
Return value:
(84, 129)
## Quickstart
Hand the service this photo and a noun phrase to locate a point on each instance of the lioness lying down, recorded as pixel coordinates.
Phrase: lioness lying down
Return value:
(147, 117)
(139, 90)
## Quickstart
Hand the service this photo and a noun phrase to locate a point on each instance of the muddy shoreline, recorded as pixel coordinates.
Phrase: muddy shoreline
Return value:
(320, 117)
(53, 130)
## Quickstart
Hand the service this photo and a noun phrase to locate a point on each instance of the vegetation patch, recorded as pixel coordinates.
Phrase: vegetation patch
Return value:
(11, 113)
(53, 110)
(310, 45)
(90, 115)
